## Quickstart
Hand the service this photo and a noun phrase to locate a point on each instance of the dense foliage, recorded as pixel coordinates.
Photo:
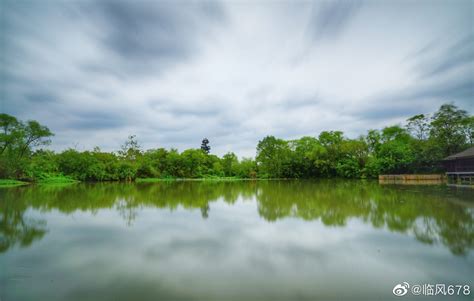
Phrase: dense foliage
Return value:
(416, 147)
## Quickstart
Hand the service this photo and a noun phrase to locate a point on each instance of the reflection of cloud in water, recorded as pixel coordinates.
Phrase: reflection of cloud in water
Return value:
(313, 240)
(422, 212)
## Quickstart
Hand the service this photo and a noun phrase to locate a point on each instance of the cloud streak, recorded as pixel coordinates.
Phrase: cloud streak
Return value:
(331, 17)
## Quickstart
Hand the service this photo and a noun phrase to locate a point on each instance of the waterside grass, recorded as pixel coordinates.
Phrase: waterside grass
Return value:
(57, 180)
(10, 183)
(53, 180)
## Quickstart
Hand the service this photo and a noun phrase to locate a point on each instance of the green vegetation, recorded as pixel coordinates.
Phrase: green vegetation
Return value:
(57, 180)
(154, 180)
(416, 147)
(8, 183)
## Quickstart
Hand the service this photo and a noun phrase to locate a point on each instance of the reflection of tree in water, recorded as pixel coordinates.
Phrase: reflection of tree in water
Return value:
(422, 211)
(205, 211)
(127, 209)
(15, 228)
(431, 215)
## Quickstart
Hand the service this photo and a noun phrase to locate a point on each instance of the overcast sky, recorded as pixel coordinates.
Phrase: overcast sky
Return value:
(235, 71)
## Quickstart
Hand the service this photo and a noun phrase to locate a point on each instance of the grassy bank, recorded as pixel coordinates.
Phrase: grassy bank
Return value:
(9, 183)
(57, 180)
(46, 180)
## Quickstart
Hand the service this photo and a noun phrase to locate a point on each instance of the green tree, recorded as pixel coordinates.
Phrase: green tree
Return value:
(175, 164)
(154, 163)
(395, 154)
(131, 149)
(373, 140)
(75, 164)
(33, 135)
(205, 146)
(9, 132)
(448, 129)
(468, 129)
(331, 138)
(306, 153)
(229, 164)
(390, 151)
(212, 166)
(327, 159)
(419, 126)
(193, 162)
(17, 141)
(247, 168)
(273, 157)
(354, 155)
(42, 165)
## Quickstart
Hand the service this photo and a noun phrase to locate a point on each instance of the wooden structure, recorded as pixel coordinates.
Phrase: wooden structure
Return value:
(460, 167)
(412, 179)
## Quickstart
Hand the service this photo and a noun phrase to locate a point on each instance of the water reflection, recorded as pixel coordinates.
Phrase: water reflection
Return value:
(15, 228)
(433, 215)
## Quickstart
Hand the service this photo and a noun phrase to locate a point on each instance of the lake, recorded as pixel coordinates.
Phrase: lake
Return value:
(247, 240)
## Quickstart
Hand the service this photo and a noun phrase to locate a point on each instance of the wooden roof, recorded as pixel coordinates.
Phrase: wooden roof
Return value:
(468, 153)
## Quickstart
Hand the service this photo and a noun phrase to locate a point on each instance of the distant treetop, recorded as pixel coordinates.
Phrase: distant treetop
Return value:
(205, 146)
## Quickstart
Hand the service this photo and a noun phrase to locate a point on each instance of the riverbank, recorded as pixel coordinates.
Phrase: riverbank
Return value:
(432, 179)
(48, 180)
(9, 183)
(67, 180)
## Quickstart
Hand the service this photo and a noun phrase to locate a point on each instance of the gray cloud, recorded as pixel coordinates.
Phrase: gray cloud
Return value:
(398, 106)
(96, 120)
(150, 36)
(459, 54)
(331, 17)
(198, 110)
(445, 74)
(41, 97)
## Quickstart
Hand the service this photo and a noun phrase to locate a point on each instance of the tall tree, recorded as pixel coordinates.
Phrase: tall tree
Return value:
(419, 126)
(131, 149)
(447, 129)
(468, 129)
(9, 131)
(20, 138)
(327, 160)
(35, 135)
(229, 164)
(273, 157)
(305, 152)
(205, 146)
(17, 141)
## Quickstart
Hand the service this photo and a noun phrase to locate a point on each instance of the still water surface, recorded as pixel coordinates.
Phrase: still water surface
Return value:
(264, 240)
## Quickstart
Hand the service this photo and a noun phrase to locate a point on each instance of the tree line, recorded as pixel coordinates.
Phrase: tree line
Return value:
(415, 147)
